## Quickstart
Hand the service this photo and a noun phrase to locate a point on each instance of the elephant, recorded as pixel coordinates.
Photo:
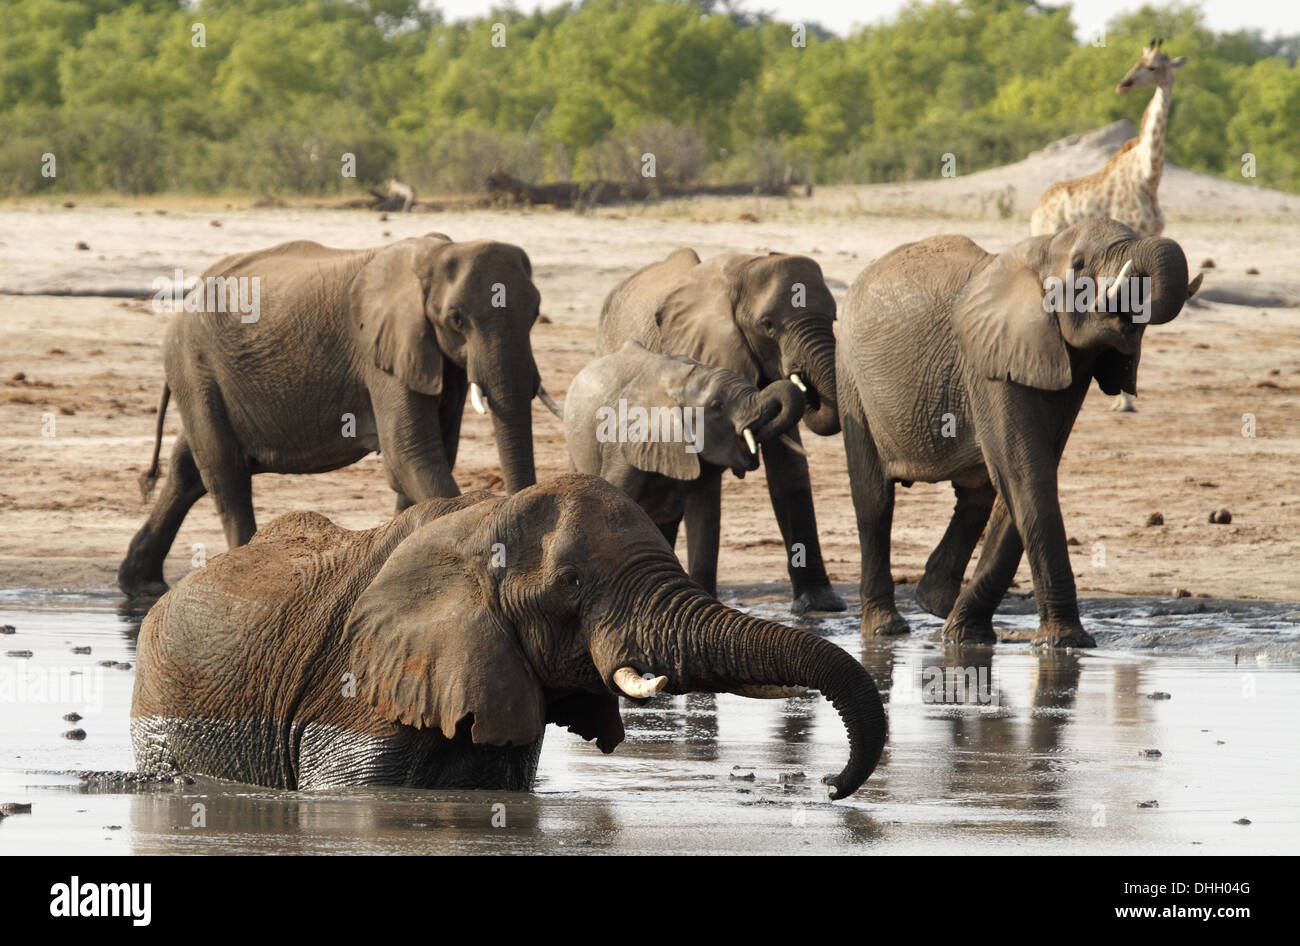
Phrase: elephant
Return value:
(344, 352)
(960, 365)
(766, 318)
(695, 422)
(432, 651)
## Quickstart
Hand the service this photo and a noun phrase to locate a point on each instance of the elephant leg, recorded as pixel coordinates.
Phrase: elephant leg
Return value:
(873, 502)
(971, 618)
(402, 501)
(790, 489)
(451, 410)
(669, 530)
(1037, 511)
(141, 572)
(224, 467)
(939, 586)
(703, 511)
(411, 444)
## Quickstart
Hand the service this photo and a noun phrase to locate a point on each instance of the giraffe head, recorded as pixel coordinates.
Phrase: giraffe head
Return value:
(1152, 68)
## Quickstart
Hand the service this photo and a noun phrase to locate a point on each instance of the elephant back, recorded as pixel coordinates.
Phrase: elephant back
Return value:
(628, 313)
(895, 333)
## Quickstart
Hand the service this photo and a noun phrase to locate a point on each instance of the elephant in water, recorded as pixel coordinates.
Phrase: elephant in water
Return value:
(346, 352)
(663, 428)
(961, 365)
(431, 652)
(766, 318)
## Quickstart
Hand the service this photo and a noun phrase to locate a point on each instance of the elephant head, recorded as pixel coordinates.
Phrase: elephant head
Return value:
(430, 310)
(764, 317)
(547, 606)
(1090, 289)
(724, 417)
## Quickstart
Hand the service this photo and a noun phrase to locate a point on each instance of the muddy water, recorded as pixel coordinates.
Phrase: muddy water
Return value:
(992, 750)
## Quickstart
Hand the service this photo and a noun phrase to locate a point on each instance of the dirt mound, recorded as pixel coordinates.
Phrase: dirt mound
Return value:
(1013, 190)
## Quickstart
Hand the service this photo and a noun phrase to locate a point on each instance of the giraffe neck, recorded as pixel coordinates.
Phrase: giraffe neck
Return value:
(1151, 138)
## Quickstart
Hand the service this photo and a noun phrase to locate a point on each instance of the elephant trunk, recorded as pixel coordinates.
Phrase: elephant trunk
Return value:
(810, 353)
(787, 401)
(703, 646)
(1163, 261)
(513, 382)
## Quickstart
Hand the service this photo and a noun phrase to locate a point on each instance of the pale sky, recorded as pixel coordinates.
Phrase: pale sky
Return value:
(840, 16)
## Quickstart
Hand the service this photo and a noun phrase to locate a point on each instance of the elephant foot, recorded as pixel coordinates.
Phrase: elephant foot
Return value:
(937, 595)
(818, 599)
(884, 625)
(135, 585)
(968, 631)
(1058, 635)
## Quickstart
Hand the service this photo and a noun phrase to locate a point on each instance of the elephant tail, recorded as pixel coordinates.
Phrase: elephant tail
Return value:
(150, 477)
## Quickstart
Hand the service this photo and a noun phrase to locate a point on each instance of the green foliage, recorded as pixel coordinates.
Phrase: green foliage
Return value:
(281, 91)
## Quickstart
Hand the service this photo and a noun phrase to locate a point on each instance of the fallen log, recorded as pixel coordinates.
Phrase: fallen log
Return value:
(590, 193)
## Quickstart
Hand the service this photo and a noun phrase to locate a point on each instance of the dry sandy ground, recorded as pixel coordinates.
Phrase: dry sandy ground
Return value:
(70, 504)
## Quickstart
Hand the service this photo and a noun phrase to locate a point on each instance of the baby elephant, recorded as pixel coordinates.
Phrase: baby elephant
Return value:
(663, 427)
(431, 652)
(961, 365)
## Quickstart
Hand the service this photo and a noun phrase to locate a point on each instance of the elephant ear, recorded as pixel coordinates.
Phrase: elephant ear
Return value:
(661, 384)
(427, 649)
(1004, 330)
(1116, 371)
(387, 299)
(698, 317)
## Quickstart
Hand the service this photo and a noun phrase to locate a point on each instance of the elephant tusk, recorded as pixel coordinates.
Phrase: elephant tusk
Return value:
(1113, 290)
(793, 444)
(768, 691)
(798, 383)
(476, 398)
(544, 396)
(750, 442)
(636, 686)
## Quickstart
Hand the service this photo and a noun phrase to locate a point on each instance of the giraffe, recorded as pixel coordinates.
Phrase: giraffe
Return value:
(1125, 189)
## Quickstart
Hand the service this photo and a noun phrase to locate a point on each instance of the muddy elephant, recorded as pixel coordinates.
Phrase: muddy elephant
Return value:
(302, 359)
(766, 318)
(664, 428)
(965, 366)
(432, 652)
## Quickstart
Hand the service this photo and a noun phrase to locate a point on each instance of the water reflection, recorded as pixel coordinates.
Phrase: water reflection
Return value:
(989, 746)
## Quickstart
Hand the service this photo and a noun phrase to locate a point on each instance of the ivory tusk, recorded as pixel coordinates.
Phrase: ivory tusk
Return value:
(476, 398)
(636, 686)
(798, 383)
(793, 444)
(750, 442)
(768, 691)
(1123, 275)
(544, 396)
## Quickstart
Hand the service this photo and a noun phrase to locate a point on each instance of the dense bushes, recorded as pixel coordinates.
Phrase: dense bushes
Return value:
(278, 94)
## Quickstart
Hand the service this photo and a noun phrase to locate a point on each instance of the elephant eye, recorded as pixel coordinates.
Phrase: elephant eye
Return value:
(456, 320)
(716, 405)
(767, 325)
(570, 579)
